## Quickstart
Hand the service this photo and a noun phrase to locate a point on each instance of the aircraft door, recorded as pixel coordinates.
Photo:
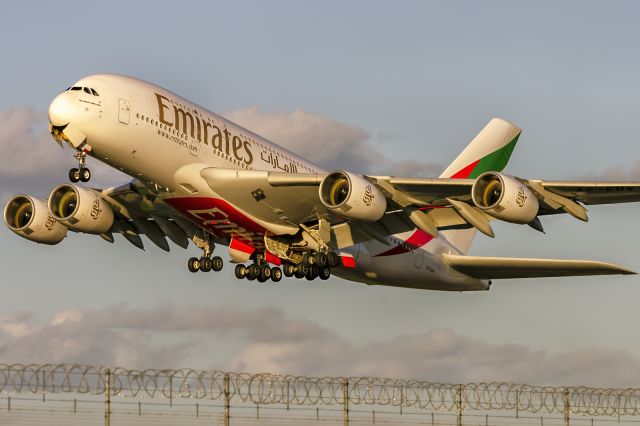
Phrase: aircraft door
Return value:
(419, 260)
(124, 111)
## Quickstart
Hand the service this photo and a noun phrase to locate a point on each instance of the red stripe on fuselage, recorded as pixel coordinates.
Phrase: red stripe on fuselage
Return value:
(220, 218)
(348, 261)
(415, 241)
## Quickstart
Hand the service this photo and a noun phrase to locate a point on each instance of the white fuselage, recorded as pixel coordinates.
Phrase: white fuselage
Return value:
(164, 141)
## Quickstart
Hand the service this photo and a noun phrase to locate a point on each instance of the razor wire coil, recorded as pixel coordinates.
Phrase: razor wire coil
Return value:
(267, 388)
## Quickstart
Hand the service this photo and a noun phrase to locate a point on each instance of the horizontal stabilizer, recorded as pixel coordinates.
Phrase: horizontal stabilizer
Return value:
(510, 267)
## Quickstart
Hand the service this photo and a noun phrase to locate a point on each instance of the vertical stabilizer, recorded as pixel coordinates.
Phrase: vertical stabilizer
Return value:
(490, 150)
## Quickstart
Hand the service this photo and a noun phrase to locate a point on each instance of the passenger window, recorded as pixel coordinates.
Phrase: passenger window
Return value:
(86, 90)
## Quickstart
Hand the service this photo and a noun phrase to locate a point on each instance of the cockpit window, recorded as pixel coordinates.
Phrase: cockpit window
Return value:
(76, 88)
(86, 90)
(94, 92)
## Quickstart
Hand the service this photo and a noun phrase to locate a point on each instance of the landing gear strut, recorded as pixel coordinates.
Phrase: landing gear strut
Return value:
(81, 173)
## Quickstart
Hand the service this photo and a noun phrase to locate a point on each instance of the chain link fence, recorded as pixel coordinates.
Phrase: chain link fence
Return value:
(122, 396)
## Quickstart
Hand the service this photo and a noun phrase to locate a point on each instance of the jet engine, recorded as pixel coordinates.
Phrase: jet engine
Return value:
(29, 217)
(504, 197)
(352, 196)
(80, 209)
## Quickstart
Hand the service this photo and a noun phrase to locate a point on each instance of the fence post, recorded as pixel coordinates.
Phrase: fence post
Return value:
(565, 403)
(401, 398)
(345, 397)
(288, 398)
(458, 405)
(227, 402)
(107, 397)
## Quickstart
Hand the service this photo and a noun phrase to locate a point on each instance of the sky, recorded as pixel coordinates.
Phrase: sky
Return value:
(374, 87)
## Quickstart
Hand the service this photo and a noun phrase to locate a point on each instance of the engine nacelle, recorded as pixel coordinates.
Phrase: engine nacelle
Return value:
(352, 196)
(29, 217)
(504, 197)
(80, 209)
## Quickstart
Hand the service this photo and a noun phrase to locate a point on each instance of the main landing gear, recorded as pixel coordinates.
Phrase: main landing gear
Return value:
(313, 265)
(81, 173)
(205, 264)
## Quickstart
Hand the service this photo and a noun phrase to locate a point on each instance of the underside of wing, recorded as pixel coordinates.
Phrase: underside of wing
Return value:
(509, 267)
(281, 198)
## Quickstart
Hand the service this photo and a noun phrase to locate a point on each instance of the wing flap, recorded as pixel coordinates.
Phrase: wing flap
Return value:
(509, 267)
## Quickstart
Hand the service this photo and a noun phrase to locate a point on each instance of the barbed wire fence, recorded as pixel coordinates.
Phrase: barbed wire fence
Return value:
(341, 397)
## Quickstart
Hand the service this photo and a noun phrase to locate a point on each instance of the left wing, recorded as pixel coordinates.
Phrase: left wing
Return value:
(430, 204)
(511, 267)
(435, 191)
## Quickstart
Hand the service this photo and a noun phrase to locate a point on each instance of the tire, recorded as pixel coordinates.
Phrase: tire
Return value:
(309, 259)
(254, 271)
(301, 270)
(265, 272)
(217, 264)
(313, 272)
(325, 273)
(85, 175)
(193, 264)
(205, 264)
(74, 175)
(276, 274)
(288, 269)
(322, 259)
(334, 259)
(241, 271)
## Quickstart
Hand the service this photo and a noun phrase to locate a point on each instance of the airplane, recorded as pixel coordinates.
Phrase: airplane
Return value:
(198, 177)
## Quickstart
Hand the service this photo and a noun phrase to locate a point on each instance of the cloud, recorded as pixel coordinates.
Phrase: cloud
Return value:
(266, 340)
(32, 161)
(327, 142)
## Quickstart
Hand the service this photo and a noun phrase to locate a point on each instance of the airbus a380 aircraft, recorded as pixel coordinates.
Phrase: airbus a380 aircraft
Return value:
(200, 177)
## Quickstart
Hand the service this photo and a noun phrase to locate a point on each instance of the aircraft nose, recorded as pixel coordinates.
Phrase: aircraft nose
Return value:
(61, 110)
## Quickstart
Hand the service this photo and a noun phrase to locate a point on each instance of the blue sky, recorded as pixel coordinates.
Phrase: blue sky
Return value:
(415, 81)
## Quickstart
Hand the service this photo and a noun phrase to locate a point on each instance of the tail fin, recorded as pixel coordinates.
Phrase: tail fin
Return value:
(490, 150)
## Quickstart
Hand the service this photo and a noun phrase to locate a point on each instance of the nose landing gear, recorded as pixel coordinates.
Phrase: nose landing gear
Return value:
(81, 173)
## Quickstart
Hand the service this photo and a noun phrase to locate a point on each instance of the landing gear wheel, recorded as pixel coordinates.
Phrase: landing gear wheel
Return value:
(334, 259)
(265, 272)
(301, 270)
(74, 175)
(325, 273)
(205, 264)
(276, 274)
(322, 259)
(193, 264)
(217, 263)
(241, 271)
(312, 273)
(253, 272)
(288, 269)
(309, 259)
(85, 175)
